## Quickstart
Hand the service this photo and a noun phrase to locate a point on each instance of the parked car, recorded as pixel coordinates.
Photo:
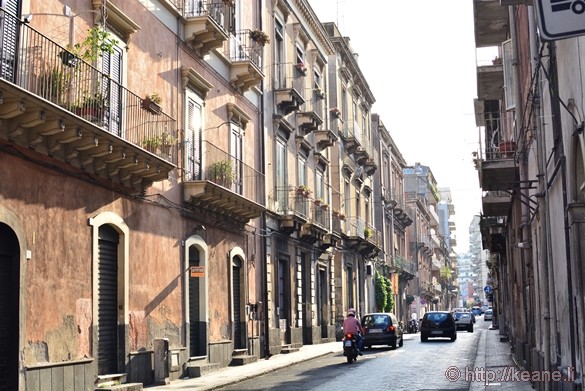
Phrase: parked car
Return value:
(381, 329)
(476, 311)
(464, 320)
(488, 314)
(437, 324)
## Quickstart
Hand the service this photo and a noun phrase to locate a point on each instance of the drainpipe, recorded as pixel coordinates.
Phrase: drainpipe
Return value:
(525, 254)
(543, 261)
(264, 233)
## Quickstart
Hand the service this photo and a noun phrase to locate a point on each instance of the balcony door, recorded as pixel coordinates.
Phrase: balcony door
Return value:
(9, 16)
(236, 141)
(193, 137)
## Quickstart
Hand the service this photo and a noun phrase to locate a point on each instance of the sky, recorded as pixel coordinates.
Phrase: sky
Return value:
(419, 59)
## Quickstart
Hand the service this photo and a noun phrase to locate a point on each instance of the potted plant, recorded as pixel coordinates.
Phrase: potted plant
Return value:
(341, 216)
(367, 233)
(222, 173)
(151, 103)
(303, 190)
(318, 201)
(301, 68)
(324, 206)
(92, 107)
(96, 42)
(335, 112)
(259, 36)
(166, 143)
(319, 93)
(151, 144)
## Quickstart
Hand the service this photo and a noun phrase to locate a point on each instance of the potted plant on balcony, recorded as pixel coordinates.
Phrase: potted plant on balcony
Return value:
(319, 93)
(222, 173)
(367, 233)
(324, 206)
(301, 68)
(303, 190)
(318, 201)
(151, 144)
(151, 103)
(507, 148)
(335, 112)
(259, 36)
(93, 106)
(166, 143)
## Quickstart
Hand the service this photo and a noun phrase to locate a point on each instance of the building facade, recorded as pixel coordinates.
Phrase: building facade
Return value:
(528, 108)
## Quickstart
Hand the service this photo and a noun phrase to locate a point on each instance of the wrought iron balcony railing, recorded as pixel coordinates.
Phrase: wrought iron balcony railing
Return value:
(45, 69)
(232, 173)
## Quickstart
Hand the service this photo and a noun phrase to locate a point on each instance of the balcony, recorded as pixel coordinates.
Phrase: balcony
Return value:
(226, 186)
(370, 166)
(288, 88)
(207, 24)
(498, 171)
(496, 203)
(406, 267)
(293, 208)
(245, 56)
(351, 136)
(493, 234)
(363, 237)
(491, 23)
(324, 139)
(490, 80)
(55, 104)
(317, 226)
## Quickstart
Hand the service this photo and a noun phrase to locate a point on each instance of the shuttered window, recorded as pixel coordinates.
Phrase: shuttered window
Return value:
(8, 38)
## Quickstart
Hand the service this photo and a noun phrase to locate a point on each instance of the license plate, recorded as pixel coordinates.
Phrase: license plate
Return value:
(374, 331)
(436, 332)
(347, 343)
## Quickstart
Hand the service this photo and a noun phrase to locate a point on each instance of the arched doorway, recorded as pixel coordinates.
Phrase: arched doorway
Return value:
(196, 278)
(107, 296)
(9, 308)
(238, 297)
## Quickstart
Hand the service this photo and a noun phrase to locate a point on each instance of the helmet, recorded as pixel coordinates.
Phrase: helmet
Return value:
(351, 312)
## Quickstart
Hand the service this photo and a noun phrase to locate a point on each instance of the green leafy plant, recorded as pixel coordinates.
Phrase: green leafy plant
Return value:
(259, 36)
(367, 233)
(222, 173)
(389, 297)
(96, 42)
(380, 293)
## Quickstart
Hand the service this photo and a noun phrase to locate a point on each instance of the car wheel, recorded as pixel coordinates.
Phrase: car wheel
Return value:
(470, 329)
(401, 342)
(424, 338)
(453, 338)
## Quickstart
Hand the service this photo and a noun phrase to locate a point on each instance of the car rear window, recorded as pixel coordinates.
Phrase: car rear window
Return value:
(376, 320)
(460, 315)
(436, 317)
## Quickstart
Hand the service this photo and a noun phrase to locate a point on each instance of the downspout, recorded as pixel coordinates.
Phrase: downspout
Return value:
(543, 258)
(525, 254)
(263, 225)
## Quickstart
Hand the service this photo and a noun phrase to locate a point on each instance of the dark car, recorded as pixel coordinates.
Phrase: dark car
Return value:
(438, 324)
(381, 329)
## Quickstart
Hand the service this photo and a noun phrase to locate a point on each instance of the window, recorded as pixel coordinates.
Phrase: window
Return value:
(236, 141)
(281, 182)
(279, 54)
(302, 170)
(193, 137)
(509, 77)
(319, 186)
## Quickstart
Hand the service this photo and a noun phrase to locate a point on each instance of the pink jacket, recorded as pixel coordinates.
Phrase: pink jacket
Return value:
(352, 325)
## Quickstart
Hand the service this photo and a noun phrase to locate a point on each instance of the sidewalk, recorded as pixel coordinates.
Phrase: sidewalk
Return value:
(231, 375)
(493, 356)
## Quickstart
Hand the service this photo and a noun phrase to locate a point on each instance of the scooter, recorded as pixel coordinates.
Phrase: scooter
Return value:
(413, 326)
(350, 349)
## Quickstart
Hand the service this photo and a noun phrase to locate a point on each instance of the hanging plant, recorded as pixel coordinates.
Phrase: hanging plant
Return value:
(380, 293)
(259, 36)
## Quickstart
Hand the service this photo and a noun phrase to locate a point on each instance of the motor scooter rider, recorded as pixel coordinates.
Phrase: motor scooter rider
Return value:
(353, 326)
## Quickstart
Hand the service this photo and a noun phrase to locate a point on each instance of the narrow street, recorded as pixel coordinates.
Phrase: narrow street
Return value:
(415, 366)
